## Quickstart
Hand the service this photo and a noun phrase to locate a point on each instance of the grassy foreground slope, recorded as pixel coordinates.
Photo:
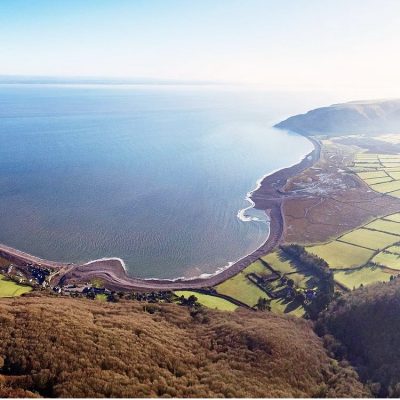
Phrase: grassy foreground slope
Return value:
(366, 326)
(80, 348)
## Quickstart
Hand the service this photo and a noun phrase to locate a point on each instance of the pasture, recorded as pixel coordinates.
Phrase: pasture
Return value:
(341, 255)
(388, 260)
(277, 261)
(209, 301)
(373, 240)
(364, 276)
(393, 217)
(386, 187)
(240, 288)
(380, 171)
(374, 181)
(372, 174)
(12, 289)
(385, 226)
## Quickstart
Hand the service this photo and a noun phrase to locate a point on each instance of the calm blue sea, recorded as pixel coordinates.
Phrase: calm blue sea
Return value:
(154, 175)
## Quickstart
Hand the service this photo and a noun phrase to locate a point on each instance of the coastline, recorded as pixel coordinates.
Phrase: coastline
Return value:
(267, 196)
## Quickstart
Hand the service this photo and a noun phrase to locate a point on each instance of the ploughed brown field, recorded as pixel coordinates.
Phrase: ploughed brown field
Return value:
(329, 199)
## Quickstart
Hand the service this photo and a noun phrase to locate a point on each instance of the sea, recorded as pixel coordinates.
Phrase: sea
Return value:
(157, 175)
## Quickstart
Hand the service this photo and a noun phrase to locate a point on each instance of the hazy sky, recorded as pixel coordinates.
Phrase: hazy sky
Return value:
(281, 43)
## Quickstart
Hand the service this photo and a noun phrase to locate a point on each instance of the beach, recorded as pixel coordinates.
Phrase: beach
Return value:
(269, 196)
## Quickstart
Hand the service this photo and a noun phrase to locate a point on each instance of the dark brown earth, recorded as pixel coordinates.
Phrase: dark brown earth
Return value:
(335, 200)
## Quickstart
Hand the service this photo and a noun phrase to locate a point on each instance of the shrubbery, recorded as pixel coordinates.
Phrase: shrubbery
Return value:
(67, 347)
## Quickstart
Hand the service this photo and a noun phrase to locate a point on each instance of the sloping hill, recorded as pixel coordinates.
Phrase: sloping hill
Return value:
(366, 325)
(367, 117)
(81, 348)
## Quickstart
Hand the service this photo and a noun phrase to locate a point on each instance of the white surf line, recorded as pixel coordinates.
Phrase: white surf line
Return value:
(109, 259)
(241, 213)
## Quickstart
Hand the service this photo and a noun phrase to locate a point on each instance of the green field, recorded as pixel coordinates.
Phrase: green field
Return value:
(388, 170)
(393, 249)
(373, 240)
(365, 276)
(391, 159)
(257, 268)
(372, 174)
(240, 288)
(280, 306)
(374, 181)
(341, 255)
(396, 193)
(385, 226)
(209, 301)
(393, 217)
(278, 263)
(303, 281)
(367, 164)
(389, 156)
(101, 297)
(374, 169)
(386, 187)
(394, 174)
(388, 260)
(391, 164)
(12, 289)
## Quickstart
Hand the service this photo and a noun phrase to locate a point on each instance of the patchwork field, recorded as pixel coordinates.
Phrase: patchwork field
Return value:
(374, 240)
(380, 171)
(302, 279)
(386, 259)
(365, 255)
(386, 187)
(281, 306)
(12, 289)
(279, 263)
(342, 255)
(373, 181)
(208, 301)
(393, 217)
(239, 287)
(364, 276)
(385, 226)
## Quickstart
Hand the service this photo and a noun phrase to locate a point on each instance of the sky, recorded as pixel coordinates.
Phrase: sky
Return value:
(274, 43)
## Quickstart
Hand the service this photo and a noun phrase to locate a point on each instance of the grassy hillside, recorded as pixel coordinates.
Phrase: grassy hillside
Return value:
(366, 324)
(81, 348)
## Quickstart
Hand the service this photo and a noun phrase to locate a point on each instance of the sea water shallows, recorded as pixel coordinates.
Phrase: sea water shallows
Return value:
(156, 176)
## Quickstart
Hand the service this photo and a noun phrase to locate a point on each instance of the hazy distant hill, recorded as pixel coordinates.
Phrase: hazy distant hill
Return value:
(372, 116)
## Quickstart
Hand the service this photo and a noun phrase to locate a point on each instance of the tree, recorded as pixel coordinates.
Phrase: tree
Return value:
(192, 300)
(263, 304)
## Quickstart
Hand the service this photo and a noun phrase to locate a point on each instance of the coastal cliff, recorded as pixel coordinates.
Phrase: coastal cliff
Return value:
(356, 117)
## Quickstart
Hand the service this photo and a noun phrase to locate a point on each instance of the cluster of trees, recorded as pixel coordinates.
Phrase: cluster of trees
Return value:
(319, 268)
(64, 347)
(363, 326)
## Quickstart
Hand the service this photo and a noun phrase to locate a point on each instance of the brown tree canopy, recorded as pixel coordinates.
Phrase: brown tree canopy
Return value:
(364, 327)
(62, 347)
